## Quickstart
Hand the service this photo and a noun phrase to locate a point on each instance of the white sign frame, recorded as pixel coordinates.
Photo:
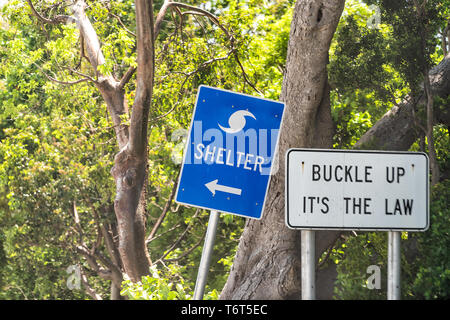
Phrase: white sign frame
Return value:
(337, 212)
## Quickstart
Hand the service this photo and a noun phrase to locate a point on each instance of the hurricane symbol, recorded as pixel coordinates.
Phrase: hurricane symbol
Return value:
(237, 121)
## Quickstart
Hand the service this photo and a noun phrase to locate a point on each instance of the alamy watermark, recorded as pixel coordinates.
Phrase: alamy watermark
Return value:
(374, 280)
(374, 20)
(74, 279)
(233, 145)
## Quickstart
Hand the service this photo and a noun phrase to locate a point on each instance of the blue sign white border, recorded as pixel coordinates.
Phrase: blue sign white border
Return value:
(286, 198)
(274, 158)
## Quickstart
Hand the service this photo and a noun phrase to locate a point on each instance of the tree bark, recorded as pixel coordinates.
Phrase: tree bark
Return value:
(434, 165)
(130, 164)
(267, 263)
(397, 129)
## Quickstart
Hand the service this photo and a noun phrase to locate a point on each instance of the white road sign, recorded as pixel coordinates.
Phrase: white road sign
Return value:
(357, 190)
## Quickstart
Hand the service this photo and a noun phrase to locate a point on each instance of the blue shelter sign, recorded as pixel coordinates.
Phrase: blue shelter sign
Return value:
(230, 152)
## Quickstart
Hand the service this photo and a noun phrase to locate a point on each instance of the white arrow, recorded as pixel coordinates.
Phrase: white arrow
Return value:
(213, 186)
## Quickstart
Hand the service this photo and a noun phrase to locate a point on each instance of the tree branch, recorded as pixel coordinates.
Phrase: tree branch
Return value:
(444, 40)
(245, 74)
(85, 76)
(396, 129)
(87, 35)
(194, 10)
(113, 264)
(113, 271)
(92, 262)
(69, 83)
(122, 24)
(55, 20)
(187, 252)
(126, 77)
(160, 18)
(198, 11)
(92, 44)
(434, 166)
(164, 211)
(145, 73)
(87, 287)
(183, 234)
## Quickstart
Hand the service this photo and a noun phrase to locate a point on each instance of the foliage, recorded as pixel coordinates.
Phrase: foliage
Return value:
(154, 287)
(425, 272)
(159, 286)
(51, 159)
(364, 81)
(57, 145)
(57, 141)
(410, 21)
(432, 267)
(353, 258)
(264, 71)
(371, 69)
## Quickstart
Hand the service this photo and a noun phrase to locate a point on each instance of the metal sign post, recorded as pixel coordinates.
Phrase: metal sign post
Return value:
(308, 265)
(394, 263)
(206, 255)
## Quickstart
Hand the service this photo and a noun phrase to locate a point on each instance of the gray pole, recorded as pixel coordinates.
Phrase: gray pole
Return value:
(206, 255)
(394, 264)
(308, 265)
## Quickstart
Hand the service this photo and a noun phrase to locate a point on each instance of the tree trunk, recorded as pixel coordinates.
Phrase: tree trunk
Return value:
(115, 292)
(267, 263)
(434, 165)
(130, 164)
